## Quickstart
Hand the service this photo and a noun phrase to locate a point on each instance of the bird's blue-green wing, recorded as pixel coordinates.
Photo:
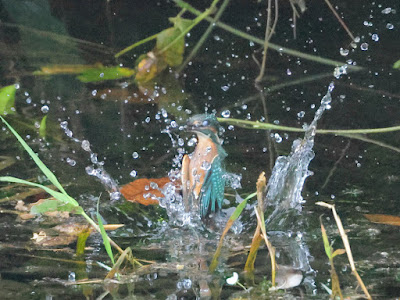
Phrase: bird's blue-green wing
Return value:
(212, 192)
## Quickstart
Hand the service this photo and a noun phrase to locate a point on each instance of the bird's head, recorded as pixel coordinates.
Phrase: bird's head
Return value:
(204, 124)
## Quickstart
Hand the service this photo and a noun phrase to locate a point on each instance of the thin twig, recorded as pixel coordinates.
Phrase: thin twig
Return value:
(335, 165)
(278, 48)
(204, 36)
(268, 34)
(339, 19)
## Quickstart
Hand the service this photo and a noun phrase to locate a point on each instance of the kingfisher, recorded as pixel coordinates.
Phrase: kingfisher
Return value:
(203, 175)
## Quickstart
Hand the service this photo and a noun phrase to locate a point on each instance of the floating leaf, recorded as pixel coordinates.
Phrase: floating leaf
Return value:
(7, 100)
(383, 219)
(142, 191)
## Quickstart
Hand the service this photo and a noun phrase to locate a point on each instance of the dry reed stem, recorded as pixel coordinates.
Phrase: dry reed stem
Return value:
(346, 244)
(271, 249)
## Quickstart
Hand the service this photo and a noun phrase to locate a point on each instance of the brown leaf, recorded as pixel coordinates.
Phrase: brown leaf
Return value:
(383, 219)
(140, 190)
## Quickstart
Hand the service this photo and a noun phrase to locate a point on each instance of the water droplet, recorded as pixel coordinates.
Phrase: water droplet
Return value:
(387, 10)
(225, 88)
(115, 196)
(94, 93)
(71, 162)
(389, 26)
(344, 52)
(205, 165)
(86, 145)
(277, 137)
(364, 46)
(288, 72)
(45, 109)
(71, 276)
(217, 38)
(192, 142)
(340, 71)
(93, 158)
(187, 284)
(133, 173)
(301, 114)
(135, 155)
(375, 37)
(147, 120)
(226, 113)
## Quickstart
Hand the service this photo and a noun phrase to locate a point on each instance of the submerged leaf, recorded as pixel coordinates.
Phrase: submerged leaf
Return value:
(65, 69)
(54, 205)
(43, 127)
(145, 191)
(383, 219)
(105, 73)
(396, 65)
(7, 100)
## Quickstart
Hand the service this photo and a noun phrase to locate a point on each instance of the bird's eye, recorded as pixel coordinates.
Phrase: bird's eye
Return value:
(206, 123)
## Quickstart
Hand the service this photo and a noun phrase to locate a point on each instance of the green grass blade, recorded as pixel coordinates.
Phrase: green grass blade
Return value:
(36, 159)
(233, 218)
(60, 196)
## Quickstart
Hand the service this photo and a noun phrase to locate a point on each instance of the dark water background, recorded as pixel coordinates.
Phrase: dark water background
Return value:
(220, 78)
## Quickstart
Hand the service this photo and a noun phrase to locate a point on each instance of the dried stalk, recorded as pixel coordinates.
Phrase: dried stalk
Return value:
(346, 244)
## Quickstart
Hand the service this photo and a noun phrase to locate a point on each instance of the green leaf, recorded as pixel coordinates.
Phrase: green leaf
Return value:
(327, 246)
(396, 65)
(36, 159)
(7, 100)
(181, 23)
(173, 56)
(105, 73)
(43, 127)
(60, 196)
(171, 42)
(240, 207)
(55, 205)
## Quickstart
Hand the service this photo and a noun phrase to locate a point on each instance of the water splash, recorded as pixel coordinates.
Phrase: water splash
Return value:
(97, 168)
(290, 172)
